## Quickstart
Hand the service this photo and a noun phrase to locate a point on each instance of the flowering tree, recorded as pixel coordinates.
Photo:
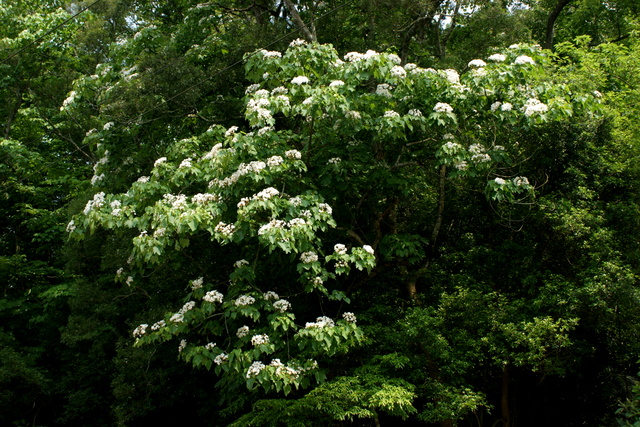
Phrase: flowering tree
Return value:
(309, 201)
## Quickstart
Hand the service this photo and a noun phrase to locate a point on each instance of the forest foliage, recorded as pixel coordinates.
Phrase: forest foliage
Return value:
(317, 213)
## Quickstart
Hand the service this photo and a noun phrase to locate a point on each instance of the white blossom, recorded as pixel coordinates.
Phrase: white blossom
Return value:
(143, 179)
(383, 89)
(297, 222)
(220, 359)
(244, 300)
(232, 130)
(394, 58)
(197, 283)
(500, 181)
(336, 83)
(308, 257)
(266, 194)
(533, 106)
(321, 322)
(160, 161)
(507, 106)
(255, 369)
(496, 105)
(524, 59)
(282, 305)
(349, 317)
(274, 161)
(478, 63)
(257, 340)
(129, 281)
(225, 229)
(71, 226)
(497, 57)
(297, 42)
(182, 346)
(451, 75)
(443, 107)
(340, 249)
(270, 295)
(242, 331)
(210, 346)
(140, 330)
(334, 161)
(323, 207)
(293, 154)
(213, 296)
(240, 263)
(280, 90)
(368, 249)
(398, 71)
(159, 324)
(107, 126)
(252, 88)
(300, 80)
(519, 181)
(415, 112)
(318, 281)
(354, 115)
(353, 57)
(391, 114)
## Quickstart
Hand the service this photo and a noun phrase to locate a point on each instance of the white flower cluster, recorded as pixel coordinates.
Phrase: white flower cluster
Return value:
(243, 169)
(398, 71)
(308, 257)
(71, 226)
(271, 54)
(182, 346)
(323, 207)
(282, 305)
(297, 222)
(497, 57)
(368, 249)
(186, 163)
(255, 369)
(143, 179)
(274, 161)
(69, 100)
(220, 359)
(129, 281)
(252, 88)
(321, 322)
(203, 198)
(452, 76)
(297, 42)
(244, 300)
(383, 89)
(415, 112)
(159, 324)
(210, 346)
(213, 296)
(266, 194)
(270, 295)
(274, 223)
(257, 340)
(500, 181)
(160, 232)
(443, 107)
(349, 317)
(524, 59)
(533, 106)
(391, 114)
(318, 281)
(140, 330)
(179, 316)
(336, 83)
(176, 201)
(353, 115)
(334, 161)
(242, 331)
(96, 203)
(240, 263)
(300, 80)
(293, 154)
(225, 229)
(519, 181)
(478, 63)
(197, 283)
(340, 249)
(160, 161)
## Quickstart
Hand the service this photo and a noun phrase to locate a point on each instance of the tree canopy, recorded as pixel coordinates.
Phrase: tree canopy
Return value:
(317, 213)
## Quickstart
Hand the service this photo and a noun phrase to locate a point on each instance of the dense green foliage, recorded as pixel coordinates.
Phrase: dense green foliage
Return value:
(414, 215)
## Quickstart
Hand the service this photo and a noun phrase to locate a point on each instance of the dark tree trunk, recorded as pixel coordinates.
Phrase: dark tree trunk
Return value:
(553, 16)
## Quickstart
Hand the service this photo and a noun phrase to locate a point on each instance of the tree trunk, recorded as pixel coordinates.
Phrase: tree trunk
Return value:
(553, 16)
(506, 419)
(308, 34)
